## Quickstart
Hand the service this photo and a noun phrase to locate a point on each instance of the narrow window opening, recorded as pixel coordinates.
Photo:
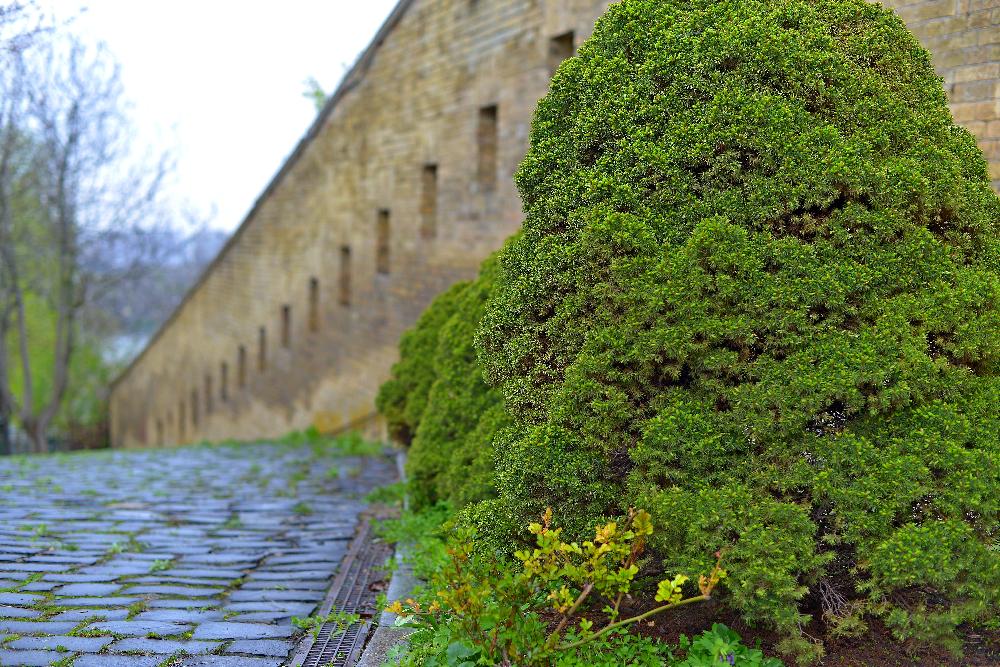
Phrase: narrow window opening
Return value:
(286, 326)
(159, 432)
(182, 419)
(428, 201)
(209, 396)
(194, 408)
(241, 366)
(382, 242)
(561, 47)
(224, 381)
(313, 305)
(487, 139)
(345, 276)
(262, 350)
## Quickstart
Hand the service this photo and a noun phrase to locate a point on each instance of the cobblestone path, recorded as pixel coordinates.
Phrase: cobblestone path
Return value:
(193, 556)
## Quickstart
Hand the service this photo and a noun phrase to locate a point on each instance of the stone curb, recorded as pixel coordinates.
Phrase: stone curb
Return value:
(387, 636)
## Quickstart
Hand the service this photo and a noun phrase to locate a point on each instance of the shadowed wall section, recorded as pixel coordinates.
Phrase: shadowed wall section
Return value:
(402, 186)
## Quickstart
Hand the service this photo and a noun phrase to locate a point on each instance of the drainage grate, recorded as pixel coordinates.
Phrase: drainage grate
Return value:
(354, 591)
(341, 650)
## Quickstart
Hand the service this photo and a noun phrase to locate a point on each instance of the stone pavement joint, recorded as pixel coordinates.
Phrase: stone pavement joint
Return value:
(200, 555)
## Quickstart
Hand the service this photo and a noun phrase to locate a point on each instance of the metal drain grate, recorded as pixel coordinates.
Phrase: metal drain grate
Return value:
(338, 651)
(354, 591)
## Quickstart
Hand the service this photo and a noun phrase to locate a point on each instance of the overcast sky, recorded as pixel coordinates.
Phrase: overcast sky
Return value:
(219, 83)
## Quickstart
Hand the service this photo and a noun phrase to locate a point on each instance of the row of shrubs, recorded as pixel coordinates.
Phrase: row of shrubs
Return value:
(757, 293)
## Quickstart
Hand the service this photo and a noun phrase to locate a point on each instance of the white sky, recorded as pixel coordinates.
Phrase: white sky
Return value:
(219, 83)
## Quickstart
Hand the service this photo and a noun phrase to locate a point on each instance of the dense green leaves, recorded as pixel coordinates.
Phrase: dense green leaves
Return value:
(757, 293)
(438, 403)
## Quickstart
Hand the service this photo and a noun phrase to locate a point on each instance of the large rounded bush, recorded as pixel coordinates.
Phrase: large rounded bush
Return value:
(757, 294)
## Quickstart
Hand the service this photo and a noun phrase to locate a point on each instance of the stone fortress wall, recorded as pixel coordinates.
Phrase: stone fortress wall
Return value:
(401, 187)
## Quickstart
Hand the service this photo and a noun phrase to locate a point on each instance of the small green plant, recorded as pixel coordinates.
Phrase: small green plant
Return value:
(233, 523)
(136, 608)
(341, 621)
(302, 508)
(38, 530)
(498, 615)
(721, 646)
(160, 565)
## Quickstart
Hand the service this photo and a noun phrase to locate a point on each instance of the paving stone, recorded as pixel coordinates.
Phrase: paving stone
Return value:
(268, 647)
(141, 628)
(118, 661)
(19, 598)
(73, 578)
(300, 585)
(263, 617)
(183, 604)
(179, 616)
(229, 661)
(163, 646)
(19, 627)
(294, 608)
(34, 567)
(170, 581)
(79, 615)
(227, 630)
(178, 591)
(37, 586)
(81, 644)
(257, 595)
(29, 658)
(285, 576)
(88, 590)
(99, 602)
(18, 612)
(203, 573)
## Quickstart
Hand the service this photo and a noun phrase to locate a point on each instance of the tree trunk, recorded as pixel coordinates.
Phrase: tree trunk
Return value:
(4, 429)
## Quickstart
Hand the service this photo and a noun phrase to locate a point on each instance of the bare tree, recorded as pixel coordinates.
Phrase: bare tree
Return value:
(20, 23)
(69, 144)
(13, 39)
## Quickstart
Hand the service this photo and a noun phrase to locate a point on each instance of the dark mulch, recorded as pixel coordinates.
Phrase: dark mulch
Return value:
(877, 648)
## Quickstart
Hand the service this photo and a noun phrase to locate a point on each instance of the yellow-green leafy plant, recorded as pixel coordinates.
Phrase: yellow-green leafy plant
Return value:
(546, 608)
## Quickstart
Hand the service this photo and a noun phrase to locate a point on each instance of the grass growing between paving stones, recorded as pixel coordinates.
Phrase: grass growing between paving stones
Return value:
(341, 621)
(229, 499)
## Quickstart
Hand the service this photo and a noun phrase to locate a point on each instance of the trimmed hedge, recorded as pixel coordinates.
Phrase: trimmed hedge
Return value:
(402, 399)
(757, 294)
(437, 397)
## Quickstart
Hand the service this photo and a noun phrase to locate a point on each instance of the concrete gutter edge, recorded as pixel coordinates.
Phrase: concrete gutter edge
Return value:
(387, 636)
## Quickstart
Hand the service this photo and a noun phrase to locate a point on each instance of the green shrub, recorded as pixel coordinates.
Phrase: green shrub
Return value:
(438, 402)
(757, 293)
(479, 611)
(401, 400)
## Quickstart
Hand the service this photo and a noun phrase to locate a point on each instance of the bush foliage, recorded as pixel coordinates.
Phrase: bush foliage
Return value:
(438, 402)
(756, 293)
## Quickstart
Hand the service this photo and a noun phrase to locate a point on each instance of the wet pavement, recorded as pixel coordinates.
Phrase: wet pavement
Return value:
(155, 558)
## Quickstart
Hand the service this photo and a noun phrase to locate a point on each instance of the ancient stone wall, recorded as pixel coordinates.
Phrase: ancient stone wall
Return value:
(964, 38)
(402, 187)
